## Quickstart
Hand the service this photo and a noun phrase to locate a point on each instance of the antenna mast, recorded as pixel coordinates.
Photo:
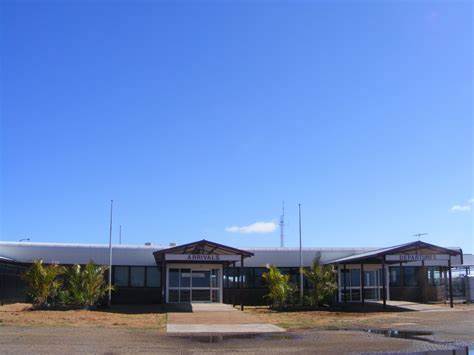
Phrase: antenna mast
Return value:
(282, 226)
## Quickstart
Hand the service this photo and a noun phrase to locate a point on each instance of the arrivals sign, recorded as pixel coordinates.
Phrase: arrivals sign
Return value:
(201, 257)
(416, 257)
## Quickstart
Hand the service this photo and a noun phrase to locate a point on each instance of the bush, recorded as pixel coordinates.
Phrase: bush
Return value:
(85, 285)
(324, 284)
(44, 283)
(76, 286)
(279, 288)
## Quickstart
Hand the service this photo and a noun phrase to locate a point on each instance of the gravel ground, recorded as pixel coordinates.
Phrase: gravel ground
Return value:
(451, 329)
(45, 340)
(48, 340)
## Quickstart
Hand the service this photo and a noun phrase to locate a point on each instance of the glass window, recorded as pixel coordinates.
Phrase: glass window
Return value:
(121, 275)
(137, 276)
(231, 279)
(201, 295)
(184, 295)
(174, 278)
(409, 276)
(371, 294)
(259, 271)
(345, 278)
(153, 276)
(370, 278)
(173, 295)
(185, 278)
(355, 277)
(394, 275)
(215, 296)
(355, 294)
(201, 279)
(434, 276)
(215, 279)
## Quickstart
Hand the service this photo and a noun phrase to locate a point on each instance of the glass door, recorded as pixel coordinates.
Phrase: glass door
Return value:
(194, 284)
(372, 284)
(200, 286)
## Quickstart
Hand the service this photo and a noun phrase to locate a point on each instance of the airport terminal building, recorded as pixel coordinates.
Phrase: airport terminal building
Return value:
(204, 271)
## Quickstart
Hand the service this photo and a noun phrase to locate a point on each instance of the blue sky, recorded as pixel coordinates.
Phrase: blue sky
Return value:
(199, 118)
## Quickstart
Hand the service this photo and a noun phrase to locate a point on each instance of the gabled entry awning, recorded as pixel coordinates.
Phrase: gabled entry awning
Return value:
(201, 280)
(409, 252)
(416, 253)
(201, 251)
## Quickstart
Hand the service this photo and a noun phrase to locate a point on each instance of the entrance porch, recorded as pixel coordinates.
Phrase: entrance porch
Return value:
(193, 273)
(416, 271)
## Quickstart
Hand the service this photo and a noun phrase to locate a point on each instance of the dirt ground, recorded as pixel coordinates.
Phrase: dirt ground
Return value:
(447, 324)
(135, 317)
(140, 330)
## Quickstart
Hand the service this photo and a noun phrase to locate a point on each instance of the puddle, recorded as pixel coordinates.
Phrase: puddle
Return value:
(211, 339)
(404, 334)
(419, 335)
(391, 333)
(457, 351)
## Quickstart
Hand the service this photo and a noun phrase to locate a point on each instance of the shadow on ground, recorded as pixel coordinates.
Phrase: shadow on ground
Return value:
(133, 309)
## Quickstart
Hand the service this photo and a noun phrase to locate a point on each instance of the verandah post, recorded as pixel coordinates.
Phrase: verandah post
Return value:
(241, 282)
(384, 278)
(345, 283)
(451, 302)
(362, 283)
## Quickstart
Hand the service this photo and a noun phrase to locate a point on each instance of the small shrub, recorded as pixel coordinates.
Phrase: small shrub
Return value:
(323, 280)
(85, 285)
(279, 288)
(44, 283)
(75, 286)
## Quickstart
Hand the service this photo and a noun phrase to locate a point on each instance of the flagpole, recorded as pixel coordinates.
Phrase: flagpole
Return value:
(301, 255)
(110, 254)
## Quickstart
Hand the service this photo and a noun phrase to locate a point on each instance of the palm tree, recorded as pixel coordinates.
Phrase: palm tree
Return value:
(43, 283)
(323, 281)
(279, 288)
(73, 287)
(95, 286)
(85, 285)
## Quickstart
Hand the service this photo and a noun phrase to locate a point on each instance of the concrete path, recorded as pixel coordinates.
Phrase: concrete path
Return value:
(419, 307)
(216, 319)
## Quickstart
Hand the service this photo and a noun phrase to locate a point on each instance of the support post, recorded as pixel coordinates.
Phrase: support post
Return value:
(241, 282)
(384, 287)
(402, 276)
(451, 302)
(345, 283)
(163, 282)
(362, 284)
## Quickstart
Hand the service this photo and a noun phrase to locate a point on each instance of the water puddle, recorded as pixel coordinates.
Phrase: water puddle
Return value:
(404, 334)
(457, 351)
(420, 335)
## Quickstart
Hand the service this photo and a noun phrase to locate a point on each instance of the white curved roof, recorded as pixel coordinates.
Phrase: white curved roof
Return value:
(65, 253)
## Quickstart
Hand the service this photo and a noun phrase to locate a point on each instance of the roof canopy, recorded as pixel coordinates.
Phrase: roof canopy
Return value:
(201, 247)
(404, 251)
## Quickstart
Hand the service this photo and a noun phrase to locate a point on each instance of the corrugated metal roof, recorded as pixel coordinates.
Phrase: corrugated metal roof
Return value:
(2, 258)
(69, 253)
(64, 253)
(383, 251)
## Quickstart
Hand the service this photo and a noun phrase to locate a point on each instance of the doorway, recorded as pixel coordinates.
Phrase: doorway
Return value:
(194, 283)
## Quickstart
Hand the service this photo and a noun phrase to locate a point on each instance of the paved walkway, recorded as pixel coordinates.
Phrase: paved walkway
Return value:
(216, 319)
(419, 307)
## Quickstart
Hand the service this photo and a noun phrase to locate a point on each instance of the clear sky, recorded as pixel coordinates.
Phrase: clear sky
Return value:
(199, 118)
